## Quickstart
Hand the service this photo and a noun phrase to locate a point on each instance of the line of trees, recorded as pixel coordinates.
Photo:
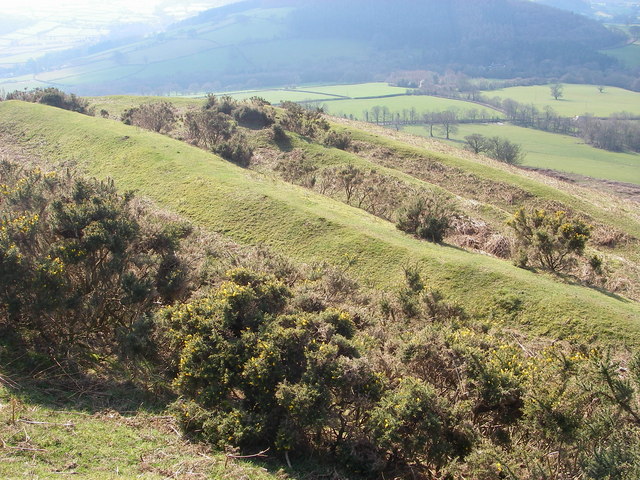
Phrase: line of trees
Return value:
(382, 115)
(617, 133)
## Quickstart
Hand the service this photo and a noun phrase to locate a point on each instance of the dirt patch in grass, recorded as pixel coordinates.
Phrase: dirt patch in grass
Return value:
(628, 191)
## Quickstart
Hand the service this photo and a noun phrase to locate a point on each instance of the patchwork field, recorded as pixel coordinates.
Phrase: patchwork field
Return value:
(360, 90)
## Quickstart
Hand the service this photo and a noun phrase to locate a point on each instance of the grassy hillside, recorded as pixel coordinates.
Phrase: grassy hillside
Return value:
(557, 152)
(48, 433)
(257, 209)
(576, 100)
(407, 146)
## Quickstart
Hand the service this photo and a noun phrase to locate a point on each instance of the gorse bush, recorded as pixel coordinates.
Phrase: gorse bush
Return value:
(253, 116)
(428, 216)
(454, 398)
(304, 121)
(549, 240)
(77, 262)
(337, 140)
(159, 117)
(281, 376)
(207, 128)
(235, 149)
(254, 373)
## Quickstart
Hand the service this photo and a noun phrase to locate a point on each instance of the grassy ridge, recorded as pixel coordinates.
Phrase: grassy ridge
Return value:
(544, 150)
(624, 218)
(256, 209)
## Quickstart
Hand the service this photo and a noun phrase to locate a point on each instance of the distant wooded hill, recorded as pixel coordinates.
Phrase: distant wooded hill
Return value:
(492, 37)
(279, 42)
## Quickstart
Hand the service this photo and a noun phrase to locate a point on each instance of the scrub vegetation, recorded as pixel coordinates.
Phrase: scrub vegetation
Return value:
(324, 297)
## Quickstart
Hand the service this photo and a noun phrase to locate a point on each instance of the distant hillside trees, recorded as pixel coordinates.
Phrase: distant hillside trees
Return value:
(617, 134)
(448, 120)
(445, 119)
(476, 143)
(493, 38)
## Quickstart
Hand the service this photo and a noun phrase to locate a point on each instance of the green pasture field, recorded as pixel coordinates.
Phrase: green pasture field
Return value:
(373, 89)
(421, 103)
(629, 54)
(20, 83)
(557, 152)
(260, 210)
(277, 95)
(577, 99)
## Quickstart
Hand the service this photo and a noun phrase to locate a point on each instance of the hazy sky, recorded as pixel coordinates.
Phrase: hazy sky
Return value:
(39, 7)
(44, 8)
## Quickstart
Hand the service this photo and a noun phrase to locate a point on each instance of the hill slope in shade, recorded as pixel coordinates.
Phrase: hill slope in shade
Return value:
(258, 209)
(281, 42)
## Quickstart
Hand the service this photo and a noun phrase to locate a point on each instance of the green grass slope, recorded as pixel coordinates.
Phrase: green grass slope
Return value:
(57, 434)
(256, 209)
